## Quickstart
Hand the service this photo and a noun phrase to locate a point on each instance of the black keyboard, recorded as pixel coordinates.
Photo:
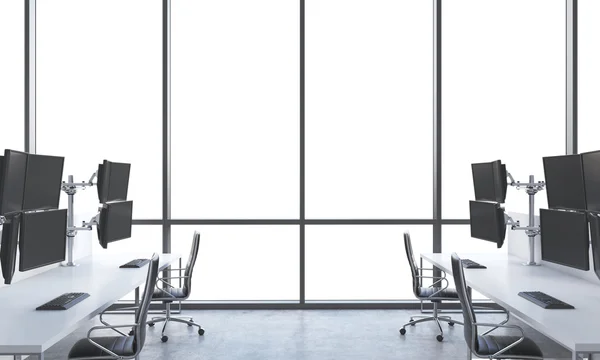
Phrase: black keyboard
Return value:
(64, 302)
(546, 301)
(470, 264)
(135, 264)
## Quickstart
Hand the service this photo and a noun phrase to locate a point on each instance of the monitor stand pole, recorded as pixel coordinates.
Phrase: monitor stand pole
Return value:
(531, 230)
(70, 188)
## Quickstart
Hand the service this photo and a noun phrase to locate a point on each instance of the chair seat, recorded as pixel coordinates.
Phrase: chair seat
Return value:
(120, 345)
(172, 293)
(491, 344)
(426, 292)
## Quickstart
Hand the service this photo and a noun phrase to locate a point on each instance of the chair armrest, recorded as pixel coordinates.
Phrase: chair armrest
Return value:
(495, 326)
(500, 324)
(112, 327)
(163, 290)
(182, 269)
(436, 282)
(173, 277)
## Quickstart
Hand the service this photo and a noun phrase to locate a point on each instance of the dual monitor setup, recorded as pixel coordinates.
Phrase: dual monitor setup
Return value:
(30, 186)
(573, 191)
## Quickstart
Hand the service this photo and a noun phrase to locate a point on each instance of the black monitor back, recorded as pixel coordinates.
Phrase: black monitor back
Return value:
(113, 181)
(489, 181)
(565, 182)
(487, 221)
(8, 248)
(591, 176)
(43, 239)
(115, 222)
(42, 182)
(594, 220)
(12, 186)
(565, 238)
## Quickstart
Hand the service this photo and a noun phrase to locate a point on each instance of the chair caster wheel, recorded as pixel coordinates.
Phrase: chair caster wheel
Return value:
(164, 338)
(201, 331)
(131, 333)
(450, 324)
(402, 331)
(440, 338)
(412, 322)
(151, 324)
(191, 320)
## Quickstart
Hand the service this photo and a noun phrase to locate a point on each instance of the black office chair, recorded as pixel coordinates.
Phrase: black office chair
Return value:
(122, 346)
(485, 345)
(170, 293)
(436, 293)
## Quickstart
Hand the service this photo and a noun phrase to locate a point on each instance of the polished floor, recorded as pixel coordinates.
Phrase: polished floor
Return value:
(305, 335)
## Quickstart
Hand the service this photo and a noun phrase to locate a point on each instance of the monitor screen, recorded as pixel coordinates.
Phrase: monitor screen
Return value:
(8, 248)
(487, 221)
(591, 176)
(113, 181)
(489, 181)
(565, 238)
(115, 222)
(43, 239)
(13, 182)
(42, 182)
(564, 182)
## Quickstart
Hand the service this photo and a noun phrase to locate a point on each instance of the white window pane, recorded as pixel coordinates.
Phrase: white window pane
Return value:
(99, 92)
(362, 262)
(242, 262)
(589, 75)
(368, 109)
(503, 93)
(12, 76)
(457, 238)
(145, 240)
(235, 109)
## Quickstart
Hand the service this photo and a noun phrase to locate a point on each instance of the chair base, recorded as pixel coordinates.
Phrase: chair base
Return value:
(168, 318)
(436, 317)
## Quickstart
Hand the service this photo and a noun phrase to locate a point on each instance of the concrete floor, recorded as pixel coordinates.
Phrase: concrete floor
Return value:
(305, 335)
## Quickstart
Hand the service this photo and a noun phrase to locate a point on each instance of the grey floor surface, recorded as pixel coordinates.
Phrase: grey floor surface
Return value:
(305, 335)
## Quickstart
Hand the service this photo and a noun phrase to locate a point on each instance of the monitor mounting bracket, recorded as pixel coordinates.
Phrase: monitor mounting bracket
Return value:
(531, 188)
(70, 188)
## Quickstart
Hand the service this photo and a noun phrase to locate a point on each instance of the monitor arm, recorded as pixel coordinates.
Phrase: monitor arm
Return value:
(85, 226)
(70, 188)
(531, 188)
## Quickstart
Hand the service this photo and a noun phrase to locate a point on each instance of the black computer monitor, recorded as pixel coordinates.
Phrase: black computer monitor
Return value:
(12, 182)
(594, 220)
(565, 186)
(43, 238)
(8, 248)
(113, 181)
(115, 222)
(489, 181)
(591, 176)
(487, 221)
(565, 238)
(42, 182)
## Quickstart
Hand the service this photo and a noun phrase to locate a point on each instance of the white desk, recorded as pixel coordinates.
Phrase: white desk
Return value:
(505, 277)
(25, 331)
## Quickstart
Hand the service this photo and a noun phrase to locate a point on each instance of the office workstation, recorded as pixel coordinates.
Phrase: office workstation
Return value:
(318, 179)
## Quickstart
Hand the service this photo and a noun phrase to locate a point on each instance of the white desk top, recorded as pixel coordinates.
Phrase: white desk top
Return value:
(505, 277)
(23, 330)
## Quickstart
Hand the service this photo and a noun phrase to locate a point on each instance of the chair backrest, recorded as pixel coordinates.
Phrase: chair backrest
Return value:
(465, 301)
(189, 268)
(141, 314)
(414, 270)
